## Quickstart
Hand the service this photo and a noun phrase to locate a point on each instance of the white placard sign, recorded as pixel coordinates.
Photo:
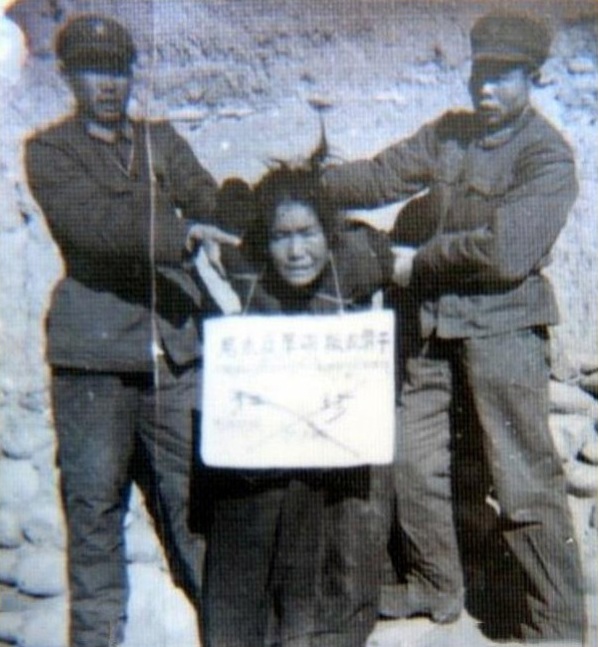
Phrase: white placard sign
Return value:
(298, 390)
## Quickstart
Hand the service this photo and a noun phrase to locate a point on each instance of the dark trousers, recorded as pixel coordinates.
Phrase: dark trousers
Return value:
(111, 429)
(506, 377)
(296, 563)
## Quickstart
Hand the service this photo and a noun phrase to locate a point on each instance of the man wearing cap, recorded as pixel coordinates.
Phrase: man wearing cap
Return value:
(128, 204)
(500, 181)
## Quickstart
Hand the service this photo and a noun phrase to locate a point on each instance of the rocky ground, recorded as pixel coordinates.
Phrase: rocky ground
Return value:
(240, 79)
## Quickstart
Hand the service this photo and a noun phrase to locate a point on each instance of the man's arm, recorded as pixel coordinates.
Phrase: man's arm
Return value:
(104, 223)
(190, 186)
(523, 225)
(398, 172)
(194, 191)
(91, 220)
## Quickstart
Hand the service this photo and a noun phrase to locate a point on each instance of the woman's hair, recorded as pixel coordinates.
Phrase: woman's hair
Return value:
(286, 182)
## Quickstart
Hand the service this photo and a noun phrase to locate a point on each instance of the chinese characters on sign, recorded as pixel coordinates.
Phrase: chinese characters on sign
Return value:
(298, 391)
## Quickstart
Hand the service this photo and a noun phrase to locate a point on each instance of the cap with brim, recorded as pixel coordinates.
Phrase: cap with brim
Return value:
(510, 38)
(97, 60)
(95, 43)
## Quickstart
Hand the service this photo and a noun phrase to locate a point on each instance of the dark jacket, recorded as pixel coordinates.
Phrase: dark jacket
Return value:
(100, 215)
(494, 208)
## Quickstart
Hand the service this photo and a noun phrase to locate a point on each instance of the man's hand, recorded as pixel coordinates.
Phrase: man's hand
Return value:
(210, 238)
(403, 264)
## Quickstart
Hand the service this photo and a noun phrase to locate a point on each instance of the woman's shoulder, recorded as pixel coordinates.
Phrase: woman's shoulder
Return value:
(360, 243)
(363, 260)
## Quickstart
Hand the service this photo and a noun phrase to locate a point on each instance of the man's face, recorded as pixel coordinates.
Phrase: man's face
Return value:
(298, 246)
(101, 96)
(499, 91)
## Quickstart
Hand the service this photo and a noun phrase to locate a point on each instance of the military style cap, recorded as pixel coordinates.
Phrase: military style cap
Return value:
(93, 42)
(510, 37)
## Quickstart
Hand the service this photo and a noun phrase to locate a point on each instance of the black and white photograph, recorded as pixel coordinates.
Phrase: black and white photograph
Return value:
(298, 323)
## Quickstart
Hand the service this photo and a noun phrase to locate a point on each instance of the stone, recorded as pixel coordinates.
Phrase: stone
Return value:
(587, 362)
(581, 65)
(23, 433)
(45, 626)
(11, 624)
(42, 573)
(589, 383)
(589, 452)
(581, 515)
(44, 525)
(8, 567)
(44, 461)
(12, 599)
(37, 401)
(570, 432)
(19, 481)
(188, 114)
(582, 480)
(10, 529)
(13, 52)
(568, 398)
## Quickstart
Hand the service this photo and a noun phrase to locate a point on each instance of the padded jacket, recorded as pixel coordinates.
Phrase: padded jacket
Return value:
(494, 207)
(100, 215)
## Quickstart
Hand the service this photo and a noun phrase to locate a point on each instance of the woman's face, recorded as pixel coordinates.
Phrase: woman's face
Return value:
(298, 245)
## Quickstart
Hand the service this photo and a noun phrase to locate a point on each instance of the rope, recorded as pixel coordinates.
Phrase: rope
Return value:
(252, 289)
(337, 285)
(156, 350)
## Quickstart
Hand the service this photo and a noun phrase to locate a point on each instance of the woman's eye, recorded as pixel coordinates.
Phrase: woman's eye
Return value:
(312, 232)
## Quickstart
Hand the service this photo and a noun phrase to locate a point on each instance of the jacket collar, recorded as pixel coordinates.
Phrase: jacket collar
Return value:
(504, 135)
(108, 135)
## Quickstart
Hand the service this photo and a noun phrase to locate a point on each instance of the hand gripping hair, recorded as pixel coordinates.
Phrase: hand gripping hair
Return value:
(297, 181)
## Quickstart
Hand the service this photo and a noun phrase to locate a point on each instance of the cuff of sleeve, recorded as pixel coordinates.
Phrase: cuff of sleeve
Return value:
(424, 270)
(171, 240)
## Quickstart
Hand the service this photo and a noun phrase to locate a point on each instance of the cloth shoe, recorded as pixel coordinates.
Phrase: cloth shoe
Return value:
(407, 601)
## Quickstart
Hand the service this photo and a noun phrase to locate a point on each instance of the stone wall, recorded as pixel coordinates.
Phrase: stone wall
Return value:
(240, 79)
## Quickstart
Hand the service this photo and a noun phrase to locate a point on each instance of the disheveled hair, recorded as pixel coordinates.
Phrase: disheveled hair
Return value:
(292, 182)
